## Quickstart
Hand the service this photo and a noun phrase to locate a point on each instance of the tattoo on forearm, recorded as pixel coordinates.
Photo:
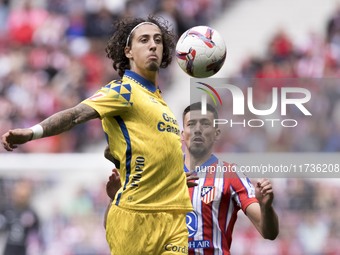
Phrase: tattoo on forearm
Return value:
(67, 119)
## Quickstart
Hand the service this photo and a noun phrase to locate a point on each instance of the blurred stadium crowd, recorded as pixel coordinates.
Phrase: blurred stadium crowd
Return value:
(50, 61)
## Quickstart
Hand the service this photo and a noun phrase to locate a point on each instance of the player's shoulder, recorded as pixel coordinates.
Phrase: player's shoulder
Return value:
(225, 163)
(117, 89)
(230, 170)
(227, 166)
(118, 84)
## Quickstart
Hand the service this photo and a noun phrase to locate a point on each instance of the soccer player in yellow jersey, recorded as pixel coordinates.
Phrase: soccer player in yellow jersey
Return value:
(147, 215)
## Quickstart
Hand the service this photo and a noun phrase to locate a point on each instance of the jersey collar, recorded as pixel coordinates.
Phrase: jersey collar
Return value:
(140, 80)
(209, 162)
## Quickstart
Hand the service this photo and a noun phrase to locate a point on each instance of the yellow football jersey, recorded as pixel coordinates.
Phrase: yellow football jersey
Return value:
(144, 136)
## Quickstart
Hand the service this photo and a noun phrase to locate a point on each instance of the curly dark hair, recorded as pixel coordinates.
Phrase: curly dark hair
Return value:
(116, 44)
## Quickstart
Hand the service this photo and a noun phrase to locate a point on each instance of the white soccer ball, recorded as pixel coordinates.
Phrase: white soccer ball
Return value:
(201, 51)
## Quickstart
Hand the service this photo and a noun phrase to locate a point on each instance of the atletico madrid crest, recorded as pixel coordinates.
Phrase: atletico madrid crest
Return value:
(208, 194)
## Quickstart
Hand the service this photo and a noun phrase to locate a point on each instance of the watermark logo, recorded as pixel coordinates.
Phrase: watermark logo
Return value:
(279, 99)
(211, 92)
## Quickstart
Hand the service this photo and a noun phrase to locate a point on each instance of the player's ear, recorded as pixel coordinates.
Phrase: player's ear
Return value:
(182, 137)
(127, 51)
(217, 134)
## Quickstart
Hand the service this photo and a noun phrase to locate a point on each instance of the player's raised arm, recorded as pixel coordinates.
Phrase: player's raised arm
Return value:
(53, 125)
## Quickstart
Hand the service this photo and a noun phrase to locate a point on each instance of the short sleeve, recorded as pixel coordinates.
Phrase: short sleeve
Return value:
(243, 191)
(111, 100)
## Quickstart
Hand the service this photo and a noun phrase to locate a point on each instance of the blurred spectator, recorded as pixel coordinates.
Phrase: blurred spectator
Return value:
(4, 10)
(333, 27)
(24, 20)
(312, 233)
(169, 10)
(301, 195)
(20, 222)
(77, 24)
(280, 47)
(99, 24)
(57, 6)
(138, 8)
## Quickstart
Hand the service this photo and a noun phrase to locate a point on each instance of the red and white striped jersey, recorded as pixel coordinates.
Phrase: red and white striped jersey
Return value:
(216, 201)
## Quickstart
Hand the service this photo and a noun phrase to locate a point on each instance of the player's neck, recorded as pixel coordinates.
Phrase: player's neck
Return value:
(191, 162)
(148, 75)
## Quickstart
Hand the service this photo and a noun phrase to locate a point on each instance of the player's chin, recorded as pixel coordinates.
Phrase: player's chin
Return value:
(197, 151)
(153, 66)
